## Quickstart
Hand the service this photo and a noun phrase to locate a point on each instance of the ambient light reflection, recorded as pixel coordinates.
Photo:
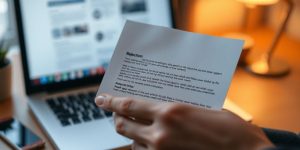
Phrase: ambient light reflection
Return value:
(3, 6)
(260, 67)
(259, 2)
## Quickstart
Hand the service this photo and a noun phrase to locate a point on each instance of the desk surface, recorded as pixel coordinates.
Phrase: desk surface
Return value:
(273, 102)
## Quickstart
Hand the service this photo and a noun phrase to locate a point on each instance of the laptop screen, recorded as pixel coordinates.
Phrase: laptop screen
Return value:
(68, 40)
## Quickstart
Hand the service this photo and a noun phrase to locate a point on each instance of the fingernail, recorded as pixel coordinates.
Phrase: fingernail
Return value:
(100, 100)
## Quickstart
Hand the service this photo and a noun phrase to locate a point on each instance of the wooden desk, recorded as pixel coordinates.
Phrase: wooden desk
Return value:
(273, 102)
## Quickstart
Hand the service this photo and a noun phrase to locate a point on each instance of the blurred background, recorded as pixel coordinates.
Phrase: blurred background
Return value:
(271, 102)
(206, 16)
(221, 16)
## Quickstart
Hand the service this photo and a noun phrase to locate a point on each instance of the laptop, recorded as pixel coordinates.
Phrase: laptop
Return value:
(66, 46)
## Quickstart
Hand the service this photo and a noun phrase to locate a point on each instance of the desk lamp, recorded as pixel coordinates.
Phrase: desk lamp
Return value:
(267, 65)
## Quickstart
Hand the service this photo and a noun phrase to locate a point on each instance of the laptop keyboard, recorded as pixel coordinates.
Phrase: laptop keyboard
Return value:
(76, 109)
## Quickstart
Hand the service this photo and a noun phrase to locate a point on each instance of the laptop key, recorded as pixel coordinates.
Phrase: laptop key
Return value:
(75, 109)
(82, 96)
(58, 110)
(76, 120)
(51, 102)
(97, 116)
(84, 113)
(108, 113)
(72, 97)
(86, 118)
(61, 100)
(66, 116)
(65, 122)
(92, 95)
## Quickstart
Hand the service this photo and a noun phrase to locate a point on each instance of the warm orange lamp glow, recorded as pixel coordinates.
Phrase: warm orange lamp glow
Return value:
(267, 65)
(259, 2)
(231, 106)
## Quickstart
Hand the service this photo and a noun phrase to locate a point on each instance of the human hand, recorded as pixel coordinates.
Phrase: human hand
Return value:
(162, 126)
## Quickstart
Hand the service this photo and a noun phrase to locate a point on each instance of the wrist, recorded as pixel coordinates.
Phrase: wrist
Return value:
(257, 140)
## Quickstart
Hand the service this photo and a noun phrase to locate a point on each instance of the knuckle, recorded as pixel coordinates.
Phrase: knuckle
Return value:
(119, 125)
(126, 104)
(229, 116)
(170, 113)
(133, 146)
(230, 120)
(159, 139)
(108, 102)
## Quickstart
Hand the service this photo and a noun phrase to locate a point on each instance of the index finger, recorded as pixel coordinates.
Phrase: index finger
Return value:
(127, 106)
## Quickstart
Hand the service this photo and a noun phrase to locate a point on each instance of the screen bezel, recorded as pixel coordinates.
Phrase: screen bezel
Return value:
(32, 89)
